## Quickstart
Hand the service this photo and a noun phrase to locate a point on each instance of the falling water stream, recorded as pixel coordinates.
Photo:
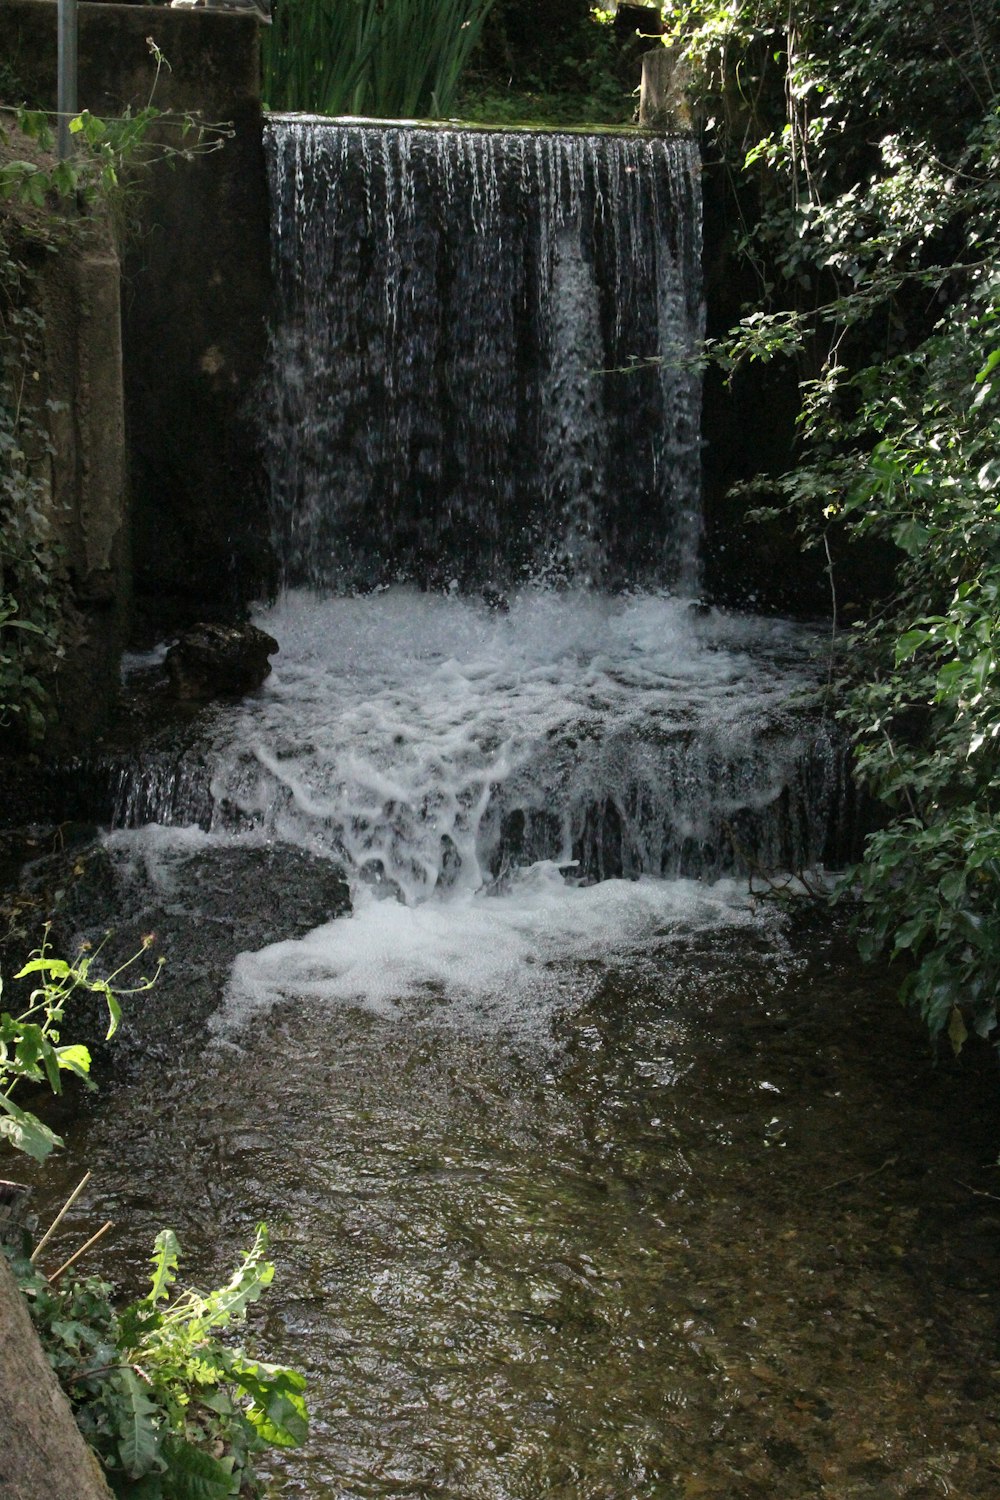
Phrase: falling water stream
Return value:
(463, 381)
(593, 1169)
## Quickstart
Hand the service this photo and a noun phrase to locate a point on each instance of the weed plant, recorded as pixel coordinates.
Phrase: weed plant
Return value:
(392, 59)
(173, 1409)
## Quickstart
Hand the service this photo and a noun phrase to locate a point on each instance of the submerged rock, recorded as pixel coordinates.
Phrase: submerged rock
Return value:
(219, 661)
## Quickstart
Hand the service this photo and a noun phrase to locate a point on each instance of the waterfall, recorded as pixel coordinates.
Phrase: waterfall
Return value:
(467, 990)
(432, 744)
(482, 367)
(483, 382)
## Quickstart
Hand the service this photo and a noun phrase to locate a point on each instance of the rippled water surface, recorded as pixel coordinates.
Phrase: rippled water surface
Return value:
(714, 1235)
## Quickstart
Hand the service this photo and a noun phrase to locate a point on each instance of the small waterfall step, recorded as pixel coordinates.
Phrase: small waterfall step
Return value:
(431, 743)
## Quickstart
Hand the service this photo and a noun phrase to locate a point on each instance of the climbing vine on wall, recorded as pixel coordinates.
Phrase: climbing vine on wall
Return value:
(30, 617)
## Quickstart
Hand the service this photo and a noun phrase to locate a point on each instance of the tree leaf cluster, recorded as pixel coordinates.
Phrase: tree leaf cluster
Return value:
(863, 144)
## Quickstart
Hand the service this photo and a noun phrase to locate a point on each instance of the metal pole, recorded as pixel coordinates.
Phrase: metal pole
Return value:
(66, 21)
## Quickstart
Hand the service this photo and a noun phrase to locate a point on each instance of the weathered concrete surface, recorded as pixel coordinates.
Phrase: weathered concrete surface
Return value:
(196, 294)
(663, 94)
(78, 297)
(42, 1454)
(62, 354)
(196, 308)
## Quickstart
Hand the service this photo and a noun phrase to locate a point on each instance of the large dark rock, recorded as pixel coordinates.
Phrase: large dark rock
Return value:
(219, 661)
(203, 903)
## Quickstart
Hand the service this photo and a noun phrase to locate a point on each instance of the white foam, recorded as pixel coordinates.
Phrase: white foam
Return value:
(394, 727)
(498, 960)
(390, 722)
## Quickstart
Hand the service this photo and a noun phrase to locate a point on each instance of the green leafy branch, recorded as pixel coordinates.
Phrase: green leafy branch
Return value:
(861, 140)
(173, 1409)
(30, 1048)
(173, 1412)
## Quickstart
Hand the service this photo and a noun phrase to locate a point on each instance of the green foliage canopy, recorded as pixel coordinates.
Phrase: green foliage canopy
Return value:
(863, 141)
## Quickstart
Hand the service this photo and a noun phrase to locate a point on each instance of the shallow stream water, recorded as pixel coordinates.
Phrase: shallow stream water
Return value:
(711, 1230)
(606, 1190)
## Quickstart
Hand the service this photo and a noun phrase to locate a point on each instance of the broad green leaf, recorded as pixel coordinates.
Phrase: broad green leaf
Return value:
(283, 1421)
(993, 359)
(50, 1061)
(909, 643)
(952, 886)
(911, 537)
(279, 1411)
(56, 968)
(139, 1438)
(22, 625)
(25, 1132)
(911, 934)
(75, 1058)
(195, 1474)
(985, 1021)
(971, 925)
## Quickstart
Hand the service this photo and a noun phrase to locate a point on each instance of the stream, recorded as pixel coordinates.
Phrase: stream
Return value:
(595, 1166)
(579, 1186)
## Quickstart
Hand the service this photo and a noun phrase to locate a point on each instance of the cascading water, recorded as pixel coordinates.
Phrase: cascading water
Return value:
(458, 387)
(483, 371)
(437, 745)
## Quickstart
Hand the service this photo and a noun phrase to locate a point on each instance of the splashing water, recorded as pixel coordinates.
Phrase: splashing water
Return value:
(491, 780)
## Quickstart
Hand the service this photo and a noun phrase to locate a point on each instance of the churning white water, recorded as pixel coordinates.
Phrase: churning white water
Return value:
(511, 791)
(500, 960)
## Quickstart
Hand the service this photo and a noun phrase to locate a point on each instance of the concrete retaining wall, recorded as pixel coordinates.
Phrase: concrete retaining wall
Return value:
(81, 381)
(195, 294)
